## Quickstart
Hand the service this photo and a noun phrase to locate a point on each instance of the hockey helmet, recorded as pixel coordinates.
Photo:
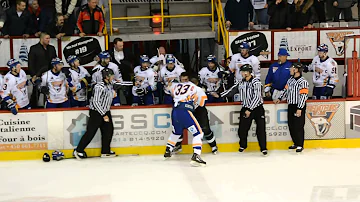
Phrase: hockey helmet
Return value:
(144, 59)
(323, 48)
(298, 66)
(104, 55)
(56, 61)
(246, 68)
(170, 59)
(211, 58)
(244, 45)
(106, 72)
(12, 63)
(71, 59)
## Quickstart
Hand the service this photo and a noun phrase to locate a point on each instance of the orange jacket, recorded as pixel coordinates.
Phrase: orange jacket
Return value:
(91, 23)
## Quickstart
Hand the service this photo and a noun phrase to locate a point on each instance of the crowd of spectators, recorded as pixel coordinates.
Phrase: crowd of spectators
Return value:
(286, 14)
(57, 17)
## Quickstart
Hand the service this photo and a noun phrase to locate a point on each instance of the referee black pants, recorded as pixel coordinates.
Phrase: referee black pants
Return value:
(258, 114)
(95, 122)
(296, 125)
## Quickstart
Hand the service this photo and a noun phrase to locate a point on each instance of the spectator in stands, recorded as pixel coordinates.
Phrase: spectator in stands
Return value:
(35, 13)
(59, 28)
(237, 14)
(18, 21)
(3, 8)
(66, 8)
(319, 6)
(40, 56)
(343, 6)
(48, 13)
(102, 4)
(280, 16)
(278, 74)
(91, 19)
(261, 12)
(304, 14)
(123, 59)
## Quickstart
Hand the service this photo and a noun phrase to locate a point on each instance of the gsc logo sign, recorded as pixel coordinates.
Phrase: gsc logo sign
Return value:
(281, 117)
(140, 121)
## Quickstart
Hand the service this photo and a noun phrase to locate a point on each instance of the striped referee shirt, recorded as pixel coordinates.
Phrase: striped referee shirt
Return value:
(250, 92)
(296, 91)
(102, 98)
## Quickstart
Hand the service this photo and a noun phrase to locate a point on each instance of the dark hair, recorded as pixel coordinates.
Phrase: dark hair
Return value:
(43, 34)
(185, 74)
(58, 15)
(116, 40)
(18, 2)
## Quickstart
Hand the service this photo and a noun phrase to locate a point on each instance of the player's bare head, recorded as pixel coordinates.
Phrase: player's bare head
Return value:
(296, 68)
(244, 49)
(44, 38)
(195, 80)
(144, 62)
(162, 50)
(184, 77)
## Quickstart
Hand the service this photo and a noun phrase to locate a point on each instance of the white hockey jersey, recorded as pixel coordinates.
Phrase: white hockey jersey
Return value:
(202, 97)
(237, 61)
(186, 92)
(16, 86)
(144, 79)
(324, 72)
(166, 75)
(57, 86)
(76, 77)
(162, 58)
(97, 76)
(210, 79)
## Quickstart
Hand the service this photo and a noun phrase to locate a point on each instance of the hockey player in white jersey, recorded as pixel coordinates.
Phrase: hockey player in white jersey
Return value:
(78, 81)
(159, 61)
(325, 75)
(15, 93)
(104, 62)
(210, 77)
(55, 87)
(144, 83)
(239, 59)
(170, 72)
(185, 95)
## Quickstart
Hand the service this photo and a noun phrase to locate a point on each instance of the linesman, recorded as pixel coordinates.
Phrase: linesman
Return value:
(296, 92)
(100, 117)
(250, 89)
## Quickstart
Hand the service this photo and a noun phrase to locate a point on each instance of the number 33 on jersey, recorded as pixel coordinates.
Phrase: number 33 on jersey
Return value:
(185, 92)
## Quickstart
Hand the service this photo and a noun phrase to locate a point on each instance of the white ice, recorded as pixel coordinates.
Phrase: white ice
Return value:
(323, 175)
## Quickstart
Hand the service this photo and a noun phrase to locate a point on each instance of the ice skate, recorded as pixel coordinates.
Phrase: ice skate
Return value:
(264, 152)
(196, 161)
(177, 149)
(167, 153)
(215, 150)
(79, 155)
(241, 150)
(299, 150)
(111, 154)
(292, 147)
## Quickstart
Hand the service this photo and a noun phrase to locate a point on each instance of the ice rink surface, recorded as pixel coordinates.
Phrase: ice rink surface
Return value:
(319, 175)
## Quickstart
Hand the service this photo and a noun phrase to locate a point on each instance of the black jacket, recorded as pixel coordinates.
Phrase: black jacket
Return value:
(54, 30)
(40, 59)
(303, 15)
(126, 67)
(17, 26)
(280, 17)
(238, 13)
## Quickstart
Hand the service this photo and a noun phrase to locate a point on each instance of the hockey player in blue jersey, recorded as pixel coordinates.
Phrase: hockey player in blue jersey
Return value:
(185, 96)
